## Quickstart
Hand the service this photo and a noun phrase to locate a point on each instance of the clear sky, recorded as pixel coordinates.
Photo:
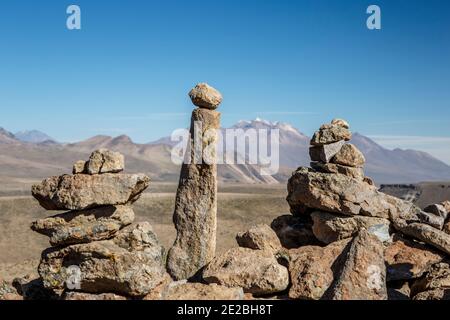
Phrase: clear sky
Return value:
(129, 69)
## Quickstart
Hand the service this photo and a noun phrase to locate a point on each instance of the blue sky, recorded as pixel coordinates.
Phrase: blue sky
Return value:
(129, 69)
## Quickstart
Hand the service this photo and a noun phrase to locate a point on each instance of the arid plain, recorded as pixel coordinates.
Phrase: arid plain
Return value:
(240, 206)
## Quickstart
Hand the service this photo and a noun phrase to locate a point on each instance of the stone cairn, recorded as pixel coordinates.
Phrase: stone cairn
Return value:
(96, 255)
(196, 200)
(93, 255)
(344, 240)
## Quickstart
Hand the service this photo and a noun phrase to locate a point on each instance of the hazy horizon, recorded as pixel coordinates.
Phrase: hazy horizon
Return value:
(428, 144)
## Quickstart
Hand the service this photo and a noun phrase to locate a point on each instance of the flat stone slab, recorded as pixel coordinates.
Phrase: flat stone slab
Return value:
(309, 190)
(330, 133)
(259, 237)
(83, 191)
(131, 264)
(256, 271)
(426, 233)
(330, 227)
(84, 226)
(325, 153)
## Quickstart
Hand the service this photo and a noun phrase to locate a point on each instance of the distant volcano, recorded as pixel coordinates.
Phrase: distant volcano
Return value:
(29, 156)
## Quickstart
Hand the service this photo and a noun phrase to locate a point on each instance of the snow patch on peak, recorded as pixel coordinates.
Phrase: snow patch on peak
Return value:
(266, 122)
(260, 123)
(243, 122)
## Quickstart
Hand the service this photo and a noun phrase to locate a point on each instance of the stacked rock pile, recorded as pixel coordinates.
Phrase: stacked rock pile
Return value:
(363, 229)
(92, 252)
(195, 214)
(344, 240)
(96, 255)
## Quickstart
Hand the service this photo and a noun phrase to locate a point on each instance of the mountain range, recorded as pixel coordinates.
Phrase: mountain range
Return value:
(33, 136)
(33, 155)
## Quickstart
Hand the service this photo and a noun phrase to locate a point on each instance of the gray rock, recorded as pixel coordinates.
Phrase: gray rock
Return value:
(309, 190)
(259, 237)
(363, 275)
(340, 122)
(324, 153)
(381, 231)
(256, 271)
(436, 215)
(356, 173)
(205, 96)
(131, 264)
(79, 167)
(432, 219)
(331, 227)
(329, 133)
(196, 206)
(82, 191)
(105, 161)
(426, 233)
(439, 209)
(85, 226)
(350, 156)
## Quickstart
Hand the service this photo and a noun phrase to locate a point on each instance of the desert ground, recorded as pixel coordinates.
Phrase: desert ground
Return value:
(240, 206)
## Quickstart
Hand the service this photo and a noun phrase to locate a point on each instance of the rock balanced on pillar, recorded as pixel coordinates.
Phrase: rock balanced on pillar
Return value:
(196, 200)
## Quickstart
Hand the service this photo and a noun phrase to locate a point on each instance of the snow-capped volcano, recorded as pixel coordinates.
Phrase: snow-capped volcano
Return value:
(37, 160)
(259, 123)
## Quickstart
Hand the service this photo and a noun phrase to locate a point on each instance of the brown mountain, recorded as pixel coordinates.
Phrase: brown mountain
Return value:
(23, 162)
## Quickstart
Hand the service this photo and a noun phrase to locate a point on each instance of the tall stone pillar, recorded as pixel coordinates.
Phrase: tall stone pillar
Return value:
(196, 200)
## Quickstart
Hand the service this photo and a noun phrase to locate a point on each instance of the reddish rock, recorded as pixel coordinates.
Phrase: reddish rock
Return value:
(363, 275)
(311, 269)
(407, 259)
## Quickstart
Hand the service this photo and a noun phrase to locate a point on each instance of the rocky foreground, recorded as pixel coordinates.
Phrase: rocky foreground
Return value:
(344, 239)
